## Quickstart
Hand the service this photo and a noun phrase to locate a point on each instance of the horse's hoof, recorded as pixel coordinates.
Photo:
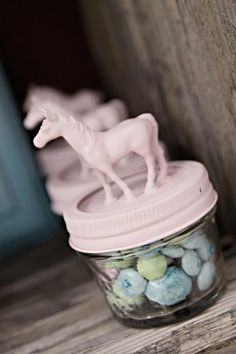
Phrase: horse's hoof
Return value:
(129, 195)
(149, 189)
(161, 177)
(110, 200)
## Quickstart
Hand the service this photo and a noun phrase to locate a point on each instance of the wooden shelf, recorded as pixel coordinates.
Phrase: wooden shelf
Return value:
(57, 308)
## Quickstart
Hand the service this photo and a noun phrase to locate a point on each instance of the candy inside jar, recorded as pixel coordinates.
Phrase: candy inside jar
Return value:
(163, 281)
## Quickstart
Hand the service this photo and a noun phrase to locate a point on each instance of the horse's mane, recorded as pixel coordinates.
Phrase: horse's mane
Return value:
(77, 124)
(52, 108)
(85, 130)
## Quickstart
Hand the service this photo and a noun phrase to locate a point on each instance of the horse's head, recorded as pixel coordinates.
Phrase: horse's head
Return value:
(56, 123)
(50, 128)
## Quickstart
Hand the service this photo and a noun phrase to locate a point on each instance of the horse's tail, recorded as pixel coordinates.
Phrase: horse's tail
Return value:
(157, 149)
(152, 120)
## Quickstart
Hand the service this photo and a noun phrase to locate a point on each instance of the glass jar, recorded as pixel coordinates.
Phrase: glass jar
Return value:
(165, 281)
(157, 258)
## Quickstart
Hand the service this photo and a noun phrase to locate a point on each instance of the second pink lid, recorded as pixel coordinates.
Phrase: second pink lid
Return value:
(185, 196)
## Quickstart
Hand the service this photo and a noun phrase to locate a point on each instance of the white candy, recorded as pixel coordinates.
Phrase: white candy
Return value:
(206, 276)
(193, 242)
(191, 263)
(173, 252)
(206, 249)
(131, 282)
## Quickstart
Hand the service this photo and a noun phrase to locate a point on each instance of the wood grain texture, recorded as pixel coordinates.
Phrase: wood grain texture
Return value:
(58, 309)
(176, 59)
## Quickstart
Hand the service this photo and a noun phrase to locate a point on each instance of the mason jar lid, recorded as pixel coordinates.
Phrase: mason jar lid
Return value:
(63, 186)
(185, 196)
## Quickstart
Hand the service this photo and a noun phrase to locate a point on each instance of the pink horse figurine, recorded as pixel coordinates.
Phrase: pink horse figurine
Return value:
(101, 150)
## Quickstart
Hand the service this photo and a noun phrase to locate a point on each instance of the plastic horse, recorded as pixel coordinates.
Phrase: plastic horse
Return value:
(102, 118)
(101, 150)
(80, 102)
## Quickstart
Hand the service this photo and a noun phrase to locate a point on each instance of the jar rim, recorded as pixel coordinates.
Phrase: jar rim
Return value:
(122, 254)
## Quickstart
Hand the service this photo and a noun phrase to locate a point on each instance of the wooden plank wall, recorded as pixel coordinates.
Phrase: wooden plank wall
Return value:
(176, 59)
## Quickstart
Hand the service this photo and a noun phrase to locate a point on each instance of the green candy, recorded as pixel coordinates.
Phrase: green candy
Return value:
(118, 298)
(120, 263)
(152, 268)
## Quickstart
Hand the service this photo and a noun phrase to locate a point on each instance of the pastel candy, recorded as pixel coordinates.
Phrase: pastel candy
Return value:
(173, 252)
(193, 241)
(152, 268)
(206, 249)
(119, 263)
(131, 282)
(171, 289)
(151, 253)
(117, 297)
(111, 273)
(206, 276)
(191, 263)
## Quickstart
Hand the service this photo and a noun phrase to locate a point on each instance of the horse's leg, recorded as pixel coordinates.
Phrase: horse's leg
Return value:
(106, 185)
(123, 186)
(160, 156)
(150, 162)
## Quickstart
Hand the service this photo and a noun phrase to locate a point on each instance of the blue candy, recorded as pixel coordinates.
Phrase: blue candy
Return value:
(206, 249)
(191, 263)
(206, 276)
(131, 282)
(151, 253)
(171, 289)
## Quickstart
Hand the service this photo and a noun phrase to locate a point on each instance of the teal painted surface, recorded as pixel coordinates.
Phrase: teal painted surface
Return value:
(25, 216)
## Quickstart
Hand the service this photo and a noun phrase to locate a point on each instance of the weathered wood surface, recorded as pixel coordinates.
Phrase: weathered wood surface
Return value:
(176, 59)
(58, 309)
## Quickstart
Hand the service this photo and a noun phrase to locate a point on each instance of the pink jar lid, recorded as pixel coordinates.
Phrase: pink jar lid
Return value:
(70, 182)
(185, 196)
